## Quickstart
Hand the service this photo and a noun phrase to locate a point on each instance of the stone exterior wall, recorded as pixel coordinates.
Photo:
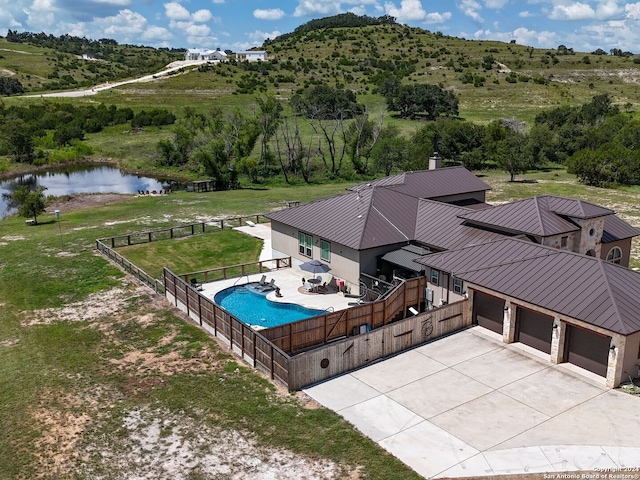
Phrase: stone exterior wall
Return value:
(588, 239)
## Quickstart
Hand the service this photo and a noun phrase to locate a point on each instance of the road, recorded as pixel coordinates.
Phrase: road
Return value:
(172, 67)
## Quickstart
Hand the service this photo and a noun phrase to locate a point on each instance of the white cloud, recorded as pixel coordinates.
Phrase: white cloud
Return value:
(41, 15)
(574, 11)
(471, 9)
(175, 11)
(525, 14)
(259, 37)
(632, 10)
(269, 14)
(311, 7)
(154, 33)
(436, 18)
(201, 16)
(217, 1)
(125, 24)
(410, 10)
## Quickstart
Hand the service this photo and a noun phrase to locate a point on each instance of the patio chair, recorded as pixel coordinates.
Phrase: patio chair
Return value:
(263, 281)
(195, 284)
(268, 286)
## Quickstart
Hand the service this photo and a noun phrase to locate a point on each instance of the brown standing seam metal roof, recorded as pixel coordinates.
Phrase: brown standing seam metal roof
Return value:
(368, 218)
(440, 182)
(617, 229)
(578, 286)
(439, 227)
(405, 256)
(532, 216)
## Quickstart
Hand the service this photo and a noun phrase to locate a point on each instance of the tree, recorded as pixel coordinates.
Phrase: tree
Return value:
(430, 101)
(390, 150)
(362, 135)
(16, 136)
(29, 203)
(323, 102)
(512, 156)
(269, 118)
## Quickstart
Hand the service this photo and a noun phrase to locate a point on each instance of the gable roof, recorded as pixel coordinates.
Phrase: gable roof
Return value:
(441, 182)
(578, 286)
(365, 219)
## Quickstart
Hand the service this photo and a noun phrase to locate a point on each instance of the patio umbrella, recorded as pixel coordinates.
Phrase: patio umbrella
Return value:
(314, 266)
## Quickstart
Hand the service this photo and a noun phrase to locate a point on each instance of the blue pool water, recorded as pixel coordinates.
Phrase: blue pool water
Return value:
(252, 307)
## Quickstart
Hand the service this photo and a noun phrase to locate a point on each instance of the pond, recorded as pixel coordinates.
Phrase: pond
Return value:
(82, 179)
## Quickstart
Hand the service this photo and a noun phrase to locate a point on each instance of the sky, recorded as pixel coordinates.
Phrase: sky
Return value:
(242, 24)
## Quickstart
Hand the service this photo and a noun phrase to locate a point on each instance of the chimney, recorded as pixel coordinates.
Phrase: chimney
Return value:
(435, 161)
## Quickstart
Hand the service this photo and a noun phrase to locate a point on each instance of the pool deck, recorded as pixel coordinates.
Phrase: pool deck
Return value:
(287, 279)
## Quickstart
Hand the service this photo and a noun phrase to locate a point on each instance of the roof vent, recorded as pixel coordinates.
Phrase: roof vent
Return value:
(359, 216)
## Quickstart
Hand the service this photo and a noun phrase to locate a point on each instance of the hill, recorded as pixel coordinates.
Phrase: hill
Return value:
(43, 62)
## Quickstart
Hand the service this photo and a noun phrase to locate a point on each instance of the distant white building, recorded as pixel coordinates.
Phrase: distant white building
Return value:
(206, 55)
(252, 56)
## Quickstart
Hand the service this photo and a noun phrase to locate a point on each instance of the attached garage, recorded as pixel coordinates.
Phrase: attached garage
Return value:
(587, 349)
(488, 311)
(534, 329)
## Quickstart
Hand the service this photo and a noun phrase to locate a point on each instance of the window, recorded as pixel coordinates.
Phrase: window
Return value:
(563, 242)
(325, 250)
(435, 276)
(457, 285)
(614, 255)
(304, 244)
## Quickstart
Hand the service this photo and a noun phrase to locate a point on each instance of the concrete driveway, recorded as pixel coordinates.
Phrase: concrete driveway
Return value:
(469, 405)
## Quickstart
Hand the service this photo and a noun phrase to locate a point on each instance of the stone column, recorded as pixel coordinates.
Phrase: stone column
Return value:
(616, 361)
(509, 323)
(557, 340)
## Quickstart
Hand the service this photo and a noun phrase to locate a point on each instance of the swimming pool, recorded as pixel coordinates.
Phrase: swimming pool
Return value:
(252, 307)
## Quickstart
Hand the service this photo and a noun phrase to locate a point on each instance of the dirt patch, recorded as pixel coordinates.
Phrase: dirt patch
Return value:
(9, 342)
(158, 444)
(61, 430)
(13, 238)
(67, 203)
(93, 308)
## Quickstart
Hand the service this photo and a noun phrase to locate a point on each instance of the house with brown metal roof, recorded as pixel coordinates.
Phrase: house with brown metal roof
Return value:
(575, 308)
(440, 209)
(546, 271)
(350, 232)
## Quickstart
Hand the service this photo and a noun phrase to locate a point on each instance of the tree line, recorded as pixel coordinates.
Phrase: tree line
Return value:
(27, 133)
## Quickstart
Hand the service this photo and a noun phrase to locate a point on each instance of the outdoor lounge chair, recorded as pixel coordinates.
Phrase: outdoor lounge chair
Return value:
(263, 281)
(268, 286)
(196, 285)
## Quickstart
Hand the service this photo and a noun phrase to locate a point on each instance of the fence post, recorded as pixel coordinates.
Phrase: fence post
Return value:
(203, 227)
(242, 340)
(272, 372)
(222, 224)
(171, 232)
(200, 309)
(290, 339)
(193, 231)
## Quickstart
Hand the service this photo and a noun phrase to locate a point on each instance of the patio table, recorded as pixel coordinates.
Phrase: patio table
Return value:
(315, 282)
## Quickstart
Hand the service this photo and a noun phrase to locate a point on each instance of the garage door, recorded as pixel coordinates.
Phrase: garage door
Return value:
(488, 311)
(534, 329)
(588, 350)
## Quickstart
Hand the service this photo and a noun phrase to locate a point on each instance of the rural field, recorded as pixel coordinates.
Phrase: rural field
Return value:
(101, 378)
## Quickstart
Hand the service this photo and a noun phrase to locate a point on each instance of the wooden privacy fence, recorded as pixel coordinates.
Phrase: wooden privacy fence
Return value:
(350, 353)
(247, 343)
(326, 359)
(127, 266)
(181, 231)
(293, 337)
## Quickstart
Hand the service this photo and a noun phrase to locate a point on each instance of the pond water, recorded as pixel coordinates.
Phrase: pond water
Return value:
(82, 179)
